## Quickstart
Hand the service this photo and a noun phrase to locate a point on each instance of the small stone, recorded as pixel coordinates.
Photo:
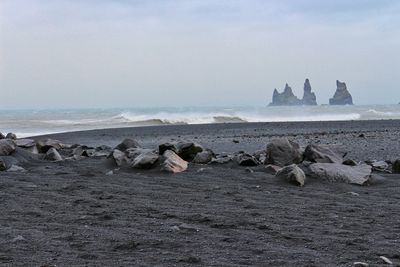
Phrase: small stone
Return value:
(127, 143)
(203, 157)
(16, 168)
(386, 260)
(360, 264)
(118, 157)
(349, 162)
(354, 194)
(11, 136)
(7, 147)
(109, 173)
(18, 239)
(53, 155)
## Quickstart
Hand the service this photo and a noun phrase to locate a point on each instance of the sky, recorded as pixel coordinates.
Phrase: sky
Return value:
(179, 53)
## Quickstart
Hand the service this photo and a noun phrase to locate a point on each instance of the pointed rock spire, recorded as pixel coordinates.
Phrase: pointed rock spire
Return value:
(342, 96)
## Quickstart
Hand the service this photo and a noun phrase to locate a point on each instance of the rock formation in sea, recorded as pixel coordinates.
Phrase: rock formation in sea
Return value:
(287, 98)
(342, 95)
(309, 97)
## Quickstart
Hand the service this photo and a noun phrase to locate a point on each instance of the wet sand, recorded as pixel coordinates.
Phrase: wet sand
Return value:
(73, 214)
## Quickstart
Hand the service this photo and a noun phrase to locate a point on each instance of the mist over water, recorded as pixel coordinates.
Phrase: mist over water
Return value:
(37, 122)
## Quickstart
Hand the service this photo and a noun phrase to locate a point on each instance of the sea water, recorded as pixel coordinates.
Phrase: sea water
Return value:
(37, 122)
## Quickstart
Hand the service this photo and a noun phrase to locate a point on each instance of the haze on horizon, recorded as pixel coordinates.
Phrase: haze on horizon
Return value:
(139, 53)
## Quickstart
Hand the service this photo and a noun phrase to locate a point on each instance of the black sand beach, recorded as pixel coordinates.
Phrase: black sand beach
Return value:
(71, 213)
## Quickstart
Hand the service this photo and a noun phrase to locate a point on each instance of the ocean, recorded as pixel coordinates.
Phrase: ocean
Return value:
(38, 122)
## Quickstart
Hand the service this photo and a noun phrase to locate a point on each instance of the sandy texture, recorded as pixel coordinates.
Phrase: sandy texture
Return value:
(73, 214)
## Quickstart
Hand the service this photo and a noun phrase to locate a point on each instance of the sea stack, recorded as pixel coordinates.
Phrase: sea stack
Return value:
(342, 95)
(287, 98)
(309, 97)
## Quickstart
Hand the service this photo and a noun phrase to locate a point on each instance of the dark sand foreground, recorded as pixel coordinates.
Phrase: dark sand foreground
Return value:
(73, 214)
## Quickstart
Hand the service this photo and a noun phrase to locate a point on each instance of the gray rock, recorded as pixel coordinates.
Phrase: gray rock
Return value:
(7, 147)
(166, 146)
(282, 152)
(341, 96)
(292, 174)
(188, 150)
(247, 160)
(145, 160)
(46, 144)
(16, 168)
(203, 157)
(2, 136)
(3, 165)
(53, 155)
(309, 98)
(260, 155)
(334, 172)
(132, 153)
(396, 166)
(118, 157)
(27, 144)
(272, 169)
(349, 162)
(127, 143)
(286, 98)
(380, 166)
(11, 136)
(321, 154)
(173, 163)
(222, 159)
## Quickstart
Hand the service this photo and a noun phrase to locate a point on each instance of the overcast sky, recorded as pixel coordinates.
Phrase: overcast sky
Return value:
(129, 53)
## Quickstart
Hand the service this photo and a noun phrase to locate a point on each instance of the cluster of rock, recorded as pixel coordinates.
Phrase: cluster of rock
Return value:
(287, 98)
(282, 157)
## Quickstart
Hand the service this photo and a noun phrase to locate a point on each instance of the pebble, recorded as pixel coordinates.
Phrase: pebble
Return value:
(354, 194)
(386, 260)
(360, 264)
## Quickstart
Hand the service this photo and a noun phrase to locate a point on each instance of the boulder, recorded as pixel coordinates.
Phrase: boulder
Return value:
(53, 155)
(145, 160)
(166, 146)
(173, 163)
(27, 144)
(11, 136)
(188, 150)
(396, 166)
(127, 143)
(7, 147)
(286, 98)
(321, 154)
(132, 153)
(44, 145)
(309, 98)
(292, 174)
(203, 157)
(282, 152)
(272, 169)
(247, 160)
(2, 136)
(334, 172)
(118, 157)
(349, 162)
(379, 166)
(342, 96)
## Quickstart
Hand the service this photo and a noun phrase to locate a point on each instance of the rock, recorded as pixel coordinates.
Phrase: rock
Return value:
(247, 160)
(282, 152)
(11, 136)
(188, 150)
(109, 173)
(260, 155)
(7, 147)
(321, 154)
(3, 165)
(127, 143)
(292, 174)
(396, 166)
(334, 172)
(379, 166)
(222, 159)
(386, 260)
(2, 136)
(46, 144)
(286, 98)
(16, 168)
(309, 98)
(53, 155)
(203, 157)
(349, 162)
(360, 264)
(27, 144)
(118, 157)
(173, 163)
(341, 96)
(145, 160)
(272, 169)
(166, 146)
